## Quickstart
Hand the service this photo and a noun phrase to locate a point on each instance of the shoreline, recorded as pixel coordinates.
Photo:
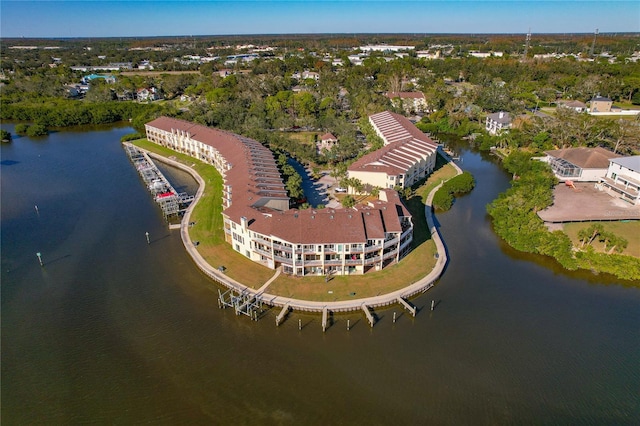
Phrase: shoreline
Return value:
(386, 299)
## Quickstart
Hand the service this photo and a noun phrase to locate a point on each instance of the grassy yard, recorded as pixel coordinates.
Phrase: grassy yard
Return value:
(629, 230)
(305, 138)
(208, 231)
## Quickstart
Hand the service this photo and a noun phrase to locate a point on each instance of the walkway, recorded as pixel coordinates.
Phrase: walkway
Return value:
(421, 285)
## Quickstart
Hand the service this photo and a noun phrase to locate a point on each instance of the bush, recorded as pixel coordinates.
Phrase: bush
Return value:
(131, 137)
(461, 184)
(22, 128)
(5, 136)
(37, 130)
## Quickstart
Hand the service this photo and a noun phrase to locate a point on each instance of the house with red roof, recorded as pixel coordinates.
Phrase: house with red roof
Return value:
(326, 141)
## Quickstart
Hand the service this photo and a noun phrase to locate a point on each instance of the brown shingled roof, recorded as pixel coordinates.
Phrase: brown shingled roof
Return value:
(585, 158)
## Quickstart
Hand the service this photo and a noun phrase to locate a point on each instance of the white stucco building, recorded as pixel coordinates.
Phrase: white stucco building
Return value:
(623, 179)
(259, 224)
(580, 164)
(408, 155)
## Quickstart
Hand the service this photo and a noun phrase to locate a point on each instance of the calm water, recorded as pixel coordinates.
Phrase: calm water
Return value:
(114, 331)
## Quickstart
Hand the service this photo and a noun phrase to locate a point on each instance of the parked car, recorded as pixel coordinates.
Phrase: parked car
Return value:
(339, 189)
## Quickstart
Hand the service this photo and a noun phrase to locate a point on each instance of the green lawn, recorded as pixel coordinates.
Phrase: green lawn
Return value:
(305, 138)
(629, 230)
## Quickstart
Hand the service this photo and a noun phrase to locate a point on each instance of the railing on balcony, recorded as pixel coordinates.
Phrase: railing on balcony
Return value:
(390, 255)
(372, 260)
(282, 259)
(263, 252)
(390, 242)
(369, 249)
(261, 240)
(288, 249)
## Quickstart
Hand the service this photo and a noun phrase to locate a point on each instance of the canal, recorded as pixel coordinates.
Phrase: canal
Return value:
(112, 330)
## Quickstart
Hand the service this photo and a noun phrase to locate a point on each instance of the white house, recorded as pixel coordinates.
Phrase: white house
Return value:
(497, 122)
(147, 94)
(623, 179)
(326, 141)
(409, 101)
(577, 106)
(580, 164)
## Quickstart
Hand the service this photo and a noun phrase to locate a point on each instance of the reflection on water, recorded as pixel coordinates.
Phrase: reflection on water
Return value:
(114, 330)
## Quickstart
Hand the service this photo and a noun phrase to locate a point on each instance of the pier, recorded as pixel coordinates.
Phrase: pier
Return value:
(325, 315)
(283, 313)
(367, 313)
(170, 201)
(407, 305)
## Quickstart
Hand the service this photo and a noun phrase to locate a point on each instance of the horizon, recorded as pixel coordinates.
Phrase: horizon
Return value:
(174, 18)
(412, 34)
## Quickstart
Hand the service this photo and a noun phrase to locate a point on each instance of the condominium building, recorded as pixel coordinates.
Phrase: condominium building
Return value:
(408, 155)
(259, 224)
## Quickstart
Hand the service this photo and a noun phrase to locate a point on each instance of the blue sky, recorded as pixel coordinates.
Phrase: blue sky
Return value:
(104, 18)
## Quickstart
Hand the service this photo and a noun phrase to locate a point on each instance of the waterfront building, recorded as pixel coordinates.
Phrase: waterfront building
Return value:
(408, 155)
(579, 164)
(623, 179)
(498, 122)
(259, 224)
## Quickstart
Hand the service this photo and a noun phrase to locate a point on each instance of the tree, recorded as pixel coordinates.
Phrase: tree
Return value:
(588, 235)
(348, 201)
(294, 186)
(5, 136)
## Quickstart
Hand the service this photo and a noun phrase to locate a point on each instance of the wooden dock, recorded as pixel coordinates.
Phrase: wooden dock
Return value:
(283, 313)
(407, 305)
(367, 313)
(325, 315)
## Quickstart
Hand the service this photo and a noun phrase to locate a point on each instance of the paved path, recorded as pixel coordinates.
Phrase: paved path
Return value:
(308, 305)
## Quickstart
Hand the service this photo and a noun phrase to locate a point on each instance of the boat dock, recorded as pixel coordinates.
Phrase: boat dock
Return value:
(171, 202)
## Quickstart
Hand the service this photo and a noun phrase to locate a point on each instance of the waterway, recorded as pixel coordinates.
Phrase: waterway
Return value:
(112, 330)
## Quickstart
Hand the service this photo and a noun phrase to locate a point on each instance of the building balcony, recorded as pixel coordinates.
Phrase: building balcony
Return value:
(282, 247)
(263, 252)
(390, 255)
(390, 242)
(261, 240)
(372, 260)
(369, 249)
(282, 259)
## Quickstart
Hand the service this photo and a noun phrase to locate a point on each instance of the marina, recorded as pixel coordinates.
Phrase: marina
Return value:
(170, 201)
